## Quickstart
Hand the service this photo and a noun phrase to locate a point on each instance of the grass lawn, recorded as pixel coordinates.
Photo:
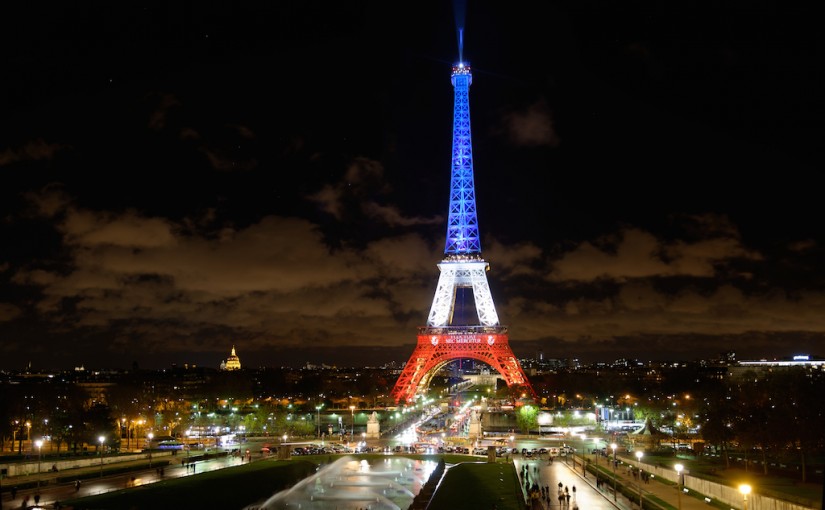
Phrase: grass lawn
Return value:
(231, 488)
(480, 486)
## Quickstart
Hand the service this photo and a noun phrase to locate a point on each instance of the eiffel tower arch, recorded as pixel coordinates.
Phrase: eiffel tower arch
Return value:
(449, 335)
(439, 346)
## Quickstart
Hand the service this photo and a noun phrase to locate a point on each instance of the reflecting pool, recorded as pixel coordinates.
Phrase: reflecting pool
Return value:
(388, 483)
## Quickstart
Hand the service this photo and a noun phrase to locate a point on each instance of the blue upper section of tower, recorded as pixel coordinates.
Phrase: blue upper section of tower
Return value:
(462, 224)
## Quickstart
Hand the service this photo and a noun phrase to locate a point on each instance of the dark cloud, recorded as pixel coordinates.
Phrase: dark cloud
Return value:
(33, 150)
(641, 191)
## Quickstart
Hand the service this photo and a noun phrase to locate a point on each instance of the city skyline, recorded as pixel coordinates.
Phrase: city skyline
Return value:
(180, 180)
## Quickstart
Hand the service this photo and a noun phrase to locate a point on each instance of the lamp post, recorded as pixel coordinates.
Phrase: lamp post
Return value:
(352, 423)
(150, 436)
(101, 439)
(188, 445)
(613, 445)
(679, 468)
(745, 489)
(318, 418)
(39, 445)
(639, 460)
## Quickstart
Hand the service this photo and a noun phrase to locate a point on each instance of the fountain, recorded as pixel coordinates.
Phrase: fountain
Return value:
(389, 483)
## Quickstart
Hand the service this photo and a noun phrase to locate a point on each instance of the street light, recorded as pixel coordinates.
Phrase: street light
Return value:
(352, 423)
(613, 445)
(679, 468)
(39, 445)
(639, 460)
(101, 439)
(745, 489)
(150, 436)
(318, 418)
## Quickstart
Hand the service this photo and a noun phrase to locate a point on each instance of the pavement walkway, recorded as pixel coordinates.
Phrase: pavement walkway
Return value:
(51, 494)
(592, 495)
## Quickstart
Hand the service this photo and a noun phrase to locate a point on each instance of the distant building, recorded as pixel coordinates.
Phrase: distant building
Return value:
(232, 362)
(766, 366)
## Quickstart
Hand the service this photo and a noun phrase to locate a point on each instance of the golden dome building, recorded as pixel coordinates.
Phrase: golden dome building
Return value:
(232, 362)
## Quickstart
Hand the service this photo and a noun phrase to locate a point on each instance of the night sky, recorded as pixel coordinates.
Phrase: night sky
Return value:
(181, 177)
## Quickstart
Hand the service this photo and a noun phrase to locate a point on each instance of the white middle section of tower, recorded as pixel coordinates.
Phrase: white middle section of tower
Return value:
(462, 273)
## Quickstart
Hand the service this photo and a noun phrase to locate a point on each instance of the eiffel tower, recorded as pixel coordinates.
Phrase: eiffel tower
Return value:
(452, 332)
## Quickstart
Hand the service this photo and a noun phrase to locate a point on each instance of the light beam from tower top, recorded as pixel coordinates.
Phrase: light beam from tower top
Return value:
(462, 223)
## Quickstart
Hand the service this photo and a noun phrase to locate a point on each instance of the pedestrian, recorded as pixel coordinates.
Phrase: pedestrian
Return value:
(14, 492)
(77, 486)
(567, 498)
(36, 499)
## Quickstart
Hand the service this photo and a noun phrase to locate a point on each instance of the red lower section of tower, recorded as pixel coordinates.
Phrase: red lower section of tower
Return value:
(434, 350)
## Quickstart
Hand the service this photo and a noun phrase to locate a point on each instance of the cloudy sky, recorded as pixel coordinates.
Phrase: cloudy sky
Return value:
(177, 179)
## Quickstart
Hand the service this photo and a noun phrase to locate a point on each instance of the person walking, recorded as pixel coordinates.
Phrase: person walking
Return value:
(14, 492)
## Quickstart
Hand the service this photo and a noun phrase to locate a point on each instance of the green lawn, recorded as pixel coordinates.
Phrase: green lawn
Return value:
(479, 486)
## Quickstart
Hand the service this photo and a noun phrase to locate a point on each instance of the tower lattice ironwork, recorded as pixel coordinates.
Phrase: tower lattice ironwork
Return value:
(445, 337)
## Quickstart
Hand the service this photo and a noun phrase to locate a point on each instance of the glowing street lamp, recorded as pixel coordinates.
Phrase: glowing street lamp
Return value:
(39, 445)
(352, 422)
(101, 439)
(745, 489)
(679, 468)
(639, 460)
(150, 436)
(613, 445)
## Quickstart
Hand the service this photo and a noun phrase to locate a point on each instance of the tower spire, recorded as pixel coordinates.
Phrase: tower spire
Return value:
(462, 223)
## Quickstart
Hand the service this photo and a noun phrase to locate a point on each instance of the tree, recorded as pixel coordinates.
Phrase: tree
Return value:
(527, 418)
(99, 421)
(719, 414)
